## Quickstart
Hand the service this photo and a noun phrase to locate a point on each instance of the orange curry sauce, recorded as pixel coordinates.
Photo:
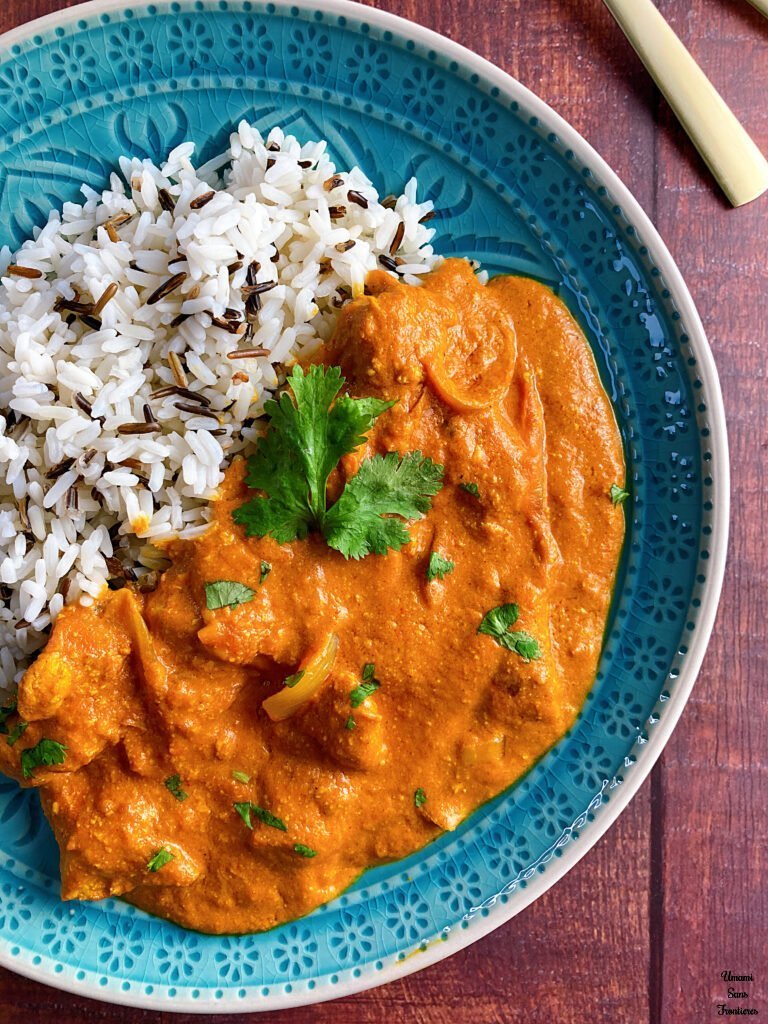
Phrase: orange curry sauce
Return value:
(496, 383)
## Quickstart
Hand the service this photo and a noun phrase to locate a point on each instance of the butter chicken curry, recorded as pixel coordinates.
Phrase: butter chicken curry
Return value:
(373, 661)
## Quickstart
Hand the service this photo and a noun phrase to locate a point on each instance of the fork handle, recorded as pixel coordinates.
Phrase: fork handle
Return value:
(732, 156)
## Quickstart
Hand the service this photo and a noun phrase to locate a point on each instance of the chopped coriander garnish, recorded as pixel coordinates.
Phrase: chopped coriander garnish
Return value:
(304, 851)
(245, 810)
(226, 594)
(291, 681)
(310, 430)
(5, 714)
(438, 567)
(364, 689)
(496, 624)
(160, 859)
(264, 571)
(173, 785)
(618, 495)
(241, 777)
(419, 797)
(44, 754)
(472, 489)
(350, 723)
(17, 732)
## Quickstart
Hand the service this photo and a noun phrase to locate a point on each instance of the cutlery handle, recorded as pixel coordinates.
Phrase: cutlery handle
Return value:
(732, 156)
(761, 5)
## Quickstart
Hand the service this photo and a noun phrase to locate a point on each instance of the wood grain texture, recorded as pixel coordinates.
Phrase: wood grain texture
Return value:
(641, 928)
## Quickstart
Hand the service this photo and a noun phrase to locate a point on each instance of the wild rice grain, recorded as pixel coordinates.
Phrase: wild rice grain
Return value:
(166, 200)
(345, 246)
(335, 181)
(389, 202)
(200, 201)
(257, 289)
(83, 404)
(337, 212)
(388, 263)
(59, 469)
(106, 296)
(166, 288)
(193, 396)
(177, 370)
(248, 353)
(358, 198)
(179, 319)
(398, 238)
(138, 428)
(164, 392)
(196, 410)
(14, 270)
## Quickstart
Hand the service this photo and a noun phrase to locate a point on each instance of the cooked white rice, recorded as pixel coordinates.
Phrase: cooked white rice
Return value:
(76, 490)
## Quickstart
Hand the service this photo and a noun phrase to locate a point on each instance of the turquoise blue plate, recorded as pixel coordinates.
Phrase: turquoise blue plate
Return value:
(519, 190)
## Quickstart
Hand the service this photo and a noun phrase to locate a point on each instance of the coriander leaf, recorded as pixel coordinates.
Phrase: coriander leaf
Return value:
(419, 797)
(291, 681)
(5, 714)
(173, 785)
(245, 810)
(44, 754)
(226, 594)
(304, 851)
(369, 671)
(17, 732)
(471, 489)
(385, 485)
(438, 567)
(323, 431)
(241, 777)
(496, 624)
(522, 643)
(264, 571)
(307, 435)
(350, 723)
(498, 620)
(617, 494)
(160, 859)
(362, 692)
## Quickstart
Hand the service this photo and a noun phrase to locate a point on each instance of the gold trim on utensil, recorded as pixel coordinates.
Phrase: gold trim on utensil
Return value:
(732, 156)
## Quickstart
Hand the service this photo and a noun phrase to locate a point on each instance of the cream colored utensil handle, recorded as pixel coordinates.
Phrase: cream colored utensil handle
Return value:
(734, 159)
(761, 5)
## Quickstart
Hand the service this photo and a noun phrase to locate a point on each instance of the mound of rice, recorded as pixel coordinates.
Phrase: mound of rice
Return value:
(140, 334)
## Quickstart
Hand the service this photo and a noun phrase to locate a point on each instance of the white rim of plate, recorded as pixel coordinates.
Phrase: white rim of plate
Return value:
(707, 371)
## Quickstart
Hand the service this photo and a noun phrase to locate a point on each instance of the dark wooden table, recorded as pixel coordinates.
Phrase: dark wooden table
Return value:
(675, 893)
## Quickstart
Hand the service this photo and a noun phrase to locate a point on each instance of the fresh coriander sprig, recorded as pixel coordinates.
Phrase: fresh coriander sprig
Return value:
(245, 810)
(617, 494)
(44, 754)
(160, 859)
(310, 430)
(226, 594)
(438, 567)
(496, 624)
(363, 690)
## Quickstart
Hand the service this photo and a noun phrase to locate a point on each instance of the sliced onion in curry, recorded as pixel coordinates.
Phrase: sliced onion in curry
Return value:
(314, 672)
